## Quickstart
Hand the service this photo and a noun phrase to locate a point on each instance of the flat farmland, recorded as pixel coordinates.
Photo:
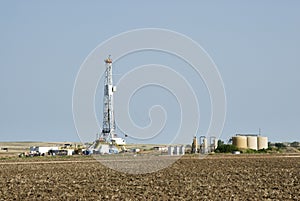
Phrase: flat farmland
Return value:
(212, 178)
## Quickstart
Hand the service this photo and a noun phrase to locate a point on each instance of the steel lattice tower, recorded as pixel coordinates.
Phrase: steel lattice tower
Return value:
(108, 129)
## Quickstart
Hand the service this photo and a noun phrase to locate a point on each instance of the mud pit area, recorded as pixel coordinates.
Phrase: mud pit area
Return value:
(233, 178)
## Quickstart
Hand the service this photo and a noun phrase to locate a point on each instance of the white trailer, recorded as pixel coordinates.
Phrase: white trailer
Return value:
(42, 150)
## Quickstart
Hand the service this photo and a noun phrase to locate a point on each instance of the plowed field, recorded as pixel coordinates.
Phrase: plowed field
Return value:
(217, 178)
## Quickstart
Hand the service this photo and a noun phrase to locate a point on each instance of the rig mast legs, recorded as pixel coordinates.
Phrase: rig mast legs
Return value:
(108, 129)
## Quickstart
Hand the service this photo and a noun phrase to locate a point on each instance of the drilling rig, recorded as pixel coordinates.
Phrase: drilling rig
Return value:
(108, 135)
(108, 129)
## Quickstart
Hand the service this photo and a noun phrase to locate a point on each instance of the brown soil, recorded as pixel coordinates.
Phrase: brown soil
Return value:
(231, 178)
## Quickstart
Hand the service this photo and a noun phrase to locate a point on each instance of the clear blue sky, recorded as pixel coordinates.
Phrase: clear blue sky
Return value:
(255, 44)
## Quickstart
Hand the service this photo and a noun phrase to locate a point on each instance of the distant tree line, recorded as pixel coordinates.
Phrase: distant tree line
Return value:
(225, 148)
(280, 145)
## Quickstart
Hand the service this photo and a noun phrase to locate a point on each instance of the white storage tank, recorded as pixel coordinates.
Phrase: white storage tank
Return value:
(240, 142)
(182, 150)
(252, 142)
(262, 142)
(176, 150)
(170, 151)
(203, 145)
(216, 143)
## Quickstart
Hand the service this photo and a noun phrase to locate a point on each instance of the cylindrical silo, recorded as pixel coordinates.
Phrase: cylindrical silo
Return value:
(182, 150)
(176, 150)
(194, 145)
(216, 144)
(240, 142)
(252, 142)
(170, 150)
(262, 142)
(204, 146)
